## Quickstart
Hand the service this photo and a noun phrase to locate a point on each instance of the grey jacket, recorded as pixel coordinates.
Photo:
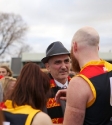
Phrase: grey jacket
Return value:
(1, 93)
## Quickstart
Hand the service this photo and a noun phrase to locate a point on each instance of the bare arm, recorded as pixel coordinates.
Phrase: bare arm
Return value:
(78, 94)
(42, 119)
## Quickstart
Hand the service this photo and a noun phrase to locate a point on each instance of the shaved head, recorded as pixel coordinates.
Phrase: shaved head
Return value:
(86, 35)
(85, 42)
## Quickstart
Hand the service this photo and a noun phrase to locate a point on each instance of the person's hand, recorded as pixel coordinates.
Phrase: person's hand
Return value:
(61, 94)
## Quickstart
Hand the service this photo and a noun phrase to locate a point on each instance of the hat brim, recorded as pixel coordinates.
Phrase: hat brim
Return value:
(46, 59)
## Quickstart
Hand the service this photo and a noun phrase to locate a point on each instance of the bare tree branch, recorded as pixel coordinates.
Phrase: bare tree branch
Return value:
(12, 30)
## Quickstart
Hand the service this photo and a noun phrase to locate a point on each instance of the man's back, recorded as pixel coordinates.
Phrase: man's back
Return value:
(98, 74)
(90, 91)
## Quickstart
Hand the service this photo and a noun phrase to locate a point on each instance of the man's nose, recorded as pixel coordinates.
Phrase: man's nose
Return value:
(63, 65)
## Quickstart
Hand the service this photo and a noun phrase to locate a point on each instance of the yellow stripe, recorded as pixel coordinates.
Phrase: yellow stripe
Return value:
(101, 62)
(30, 117)
(108, 66)
(25, 109)
(93, 62)
(92, 89)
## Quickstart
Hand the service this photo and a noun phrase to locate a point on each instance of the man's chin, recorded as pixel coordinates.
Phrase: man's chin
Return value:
(64, 75)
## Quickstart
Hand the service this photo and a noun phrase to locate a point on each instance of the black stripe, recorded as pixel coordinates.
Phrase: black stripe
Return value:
(55, 112)
(15, 119)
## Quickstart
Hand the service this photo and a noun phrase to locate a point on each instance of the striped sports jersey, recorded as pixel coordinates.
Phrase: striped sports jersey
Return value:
(20, 115)
(98, 75)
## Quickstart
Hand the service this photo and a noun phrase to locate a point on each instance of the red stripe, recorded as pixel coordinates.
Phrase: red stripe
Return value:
(2, 105)
(57, 120)
(93, 70)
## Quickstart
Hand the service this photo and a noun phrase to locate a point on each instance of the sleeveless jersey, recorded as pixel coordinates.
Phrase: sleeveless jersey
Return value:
(20, 115)
(98, 75)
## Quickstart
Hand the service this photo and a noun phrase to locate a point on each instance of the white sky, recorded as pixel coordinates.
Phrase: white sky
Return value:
(58, 20)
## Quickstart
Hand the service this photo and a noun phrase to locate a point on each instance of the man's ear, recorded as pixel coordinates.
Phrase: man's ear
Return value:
(74, 46)
(47, 66)
(98, 48)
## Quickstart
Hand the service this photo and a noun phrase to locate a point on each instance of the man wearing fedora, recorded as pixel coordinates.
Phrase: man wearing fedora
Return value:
(57, 62)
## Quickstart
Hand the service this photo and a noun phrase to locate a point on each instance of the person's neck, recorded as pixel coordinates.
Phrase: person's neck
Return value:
(62, 81)
(84, 61)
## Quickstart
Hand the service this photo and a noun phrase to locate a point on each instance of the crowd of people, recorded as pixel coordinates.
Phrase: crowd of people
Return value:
(37, 98)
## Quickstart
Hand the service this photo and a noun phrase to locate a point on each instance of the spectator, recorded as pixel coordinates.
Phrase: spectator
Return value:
(7, 86)
(5, 71)
(57, 62)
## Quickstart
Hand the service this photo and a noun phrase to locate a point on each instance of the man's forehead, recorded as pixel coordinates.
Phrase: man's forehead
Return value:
(60, 57)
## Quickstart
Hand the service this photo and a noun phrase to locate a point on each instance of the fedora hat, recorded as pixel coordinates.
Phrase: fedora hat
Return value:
(55, 48)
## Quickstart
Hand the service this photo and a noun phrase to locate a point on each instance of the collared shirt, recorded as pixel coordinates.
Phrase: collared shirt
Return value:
(61, 85)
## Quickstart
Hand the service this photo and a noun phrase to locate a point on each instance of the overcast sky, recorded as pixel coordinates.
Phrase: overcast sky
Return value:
(58, 20)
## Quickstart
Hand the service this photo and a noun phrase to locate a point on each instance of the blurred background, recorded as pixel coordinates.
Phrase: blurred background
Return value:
(29, 26)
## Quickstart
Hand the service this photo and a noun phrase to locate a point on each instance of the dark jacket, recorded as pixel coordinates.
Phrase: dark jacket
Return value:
(55, 110)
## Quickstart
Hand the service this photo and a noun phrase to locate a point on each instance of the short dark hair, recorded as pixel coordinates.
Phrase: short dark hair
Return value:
(32, 87)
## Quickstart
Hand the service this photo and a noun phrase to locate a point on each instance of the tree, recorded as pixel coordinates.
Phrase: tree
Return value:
(23, 48)
(12, 31)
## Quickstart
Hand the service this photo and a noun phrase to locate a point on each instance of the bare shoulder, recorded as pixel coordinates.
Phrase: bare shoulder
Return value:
(80, 83)
(80, 89)
(41, 119)
(78, 80)
(78, 94)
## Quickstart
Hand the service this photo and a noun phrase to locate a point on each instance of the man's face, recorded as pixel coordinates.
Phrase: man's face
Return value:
(3, 72)
(75, 63)
(59, 67)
